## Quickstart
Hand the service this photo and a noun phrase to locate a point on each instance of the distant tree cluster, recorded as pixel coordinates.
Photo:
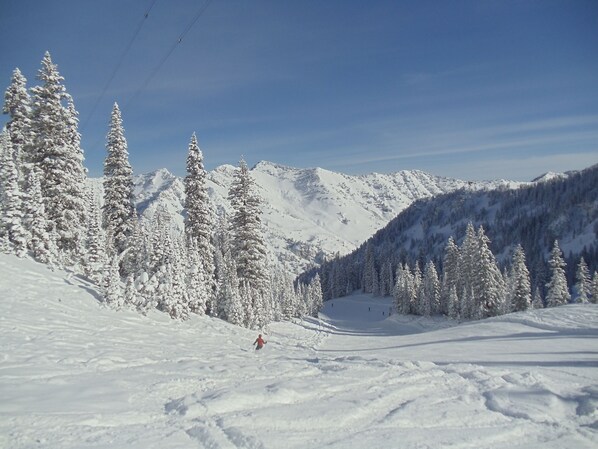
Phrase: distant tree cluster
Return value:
(470, 286)
(218, 266)
(521, 225)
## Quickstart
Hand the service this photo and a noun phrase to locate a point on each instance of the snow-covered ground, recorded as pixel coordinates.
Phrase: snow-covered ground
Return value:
(74, 374)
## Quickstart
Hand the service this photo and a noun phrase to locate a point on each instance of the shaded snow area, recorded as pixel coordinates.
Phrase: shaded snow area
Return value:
(74, 374)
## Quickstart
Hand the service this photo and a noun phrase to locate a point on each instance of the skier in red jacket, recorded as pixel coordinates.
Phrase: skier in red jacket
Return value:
(260, 342)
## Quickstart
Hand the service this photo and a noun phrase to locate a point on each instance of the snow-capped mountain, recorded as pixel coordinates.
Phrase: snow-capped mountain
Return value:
(309, 214)
(562, 208)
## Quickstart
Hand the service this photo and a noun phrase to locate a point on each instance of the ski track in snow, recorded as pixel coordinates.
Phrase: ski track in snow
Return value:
(74, 374)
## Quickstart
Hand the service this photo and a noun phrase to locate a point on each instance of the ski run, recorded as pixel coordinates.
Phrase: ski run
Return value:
(76, 374)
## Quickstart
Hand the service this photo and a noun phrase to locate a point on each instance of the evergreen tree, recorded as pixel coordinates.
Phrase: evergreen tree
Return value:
(468, 260)
(260, 308)
(199, 221)
(229, 305)
(247, 303)
(17, 104)
(130, 294)
(430, 301)
(11, 218)
(403, 291)
(58, 156)
(315, 295)
(370, 275)
(230, 294)
(284, 294)
(246, 228)
(583, 282)
(450, 275)
(594, 288)
(196, 283)
(176, 301)
(119, 214)
(386, 279)
(537, 302)
(113, 295)
(519, 278)
(40, 244)
(453, 303)
(96, 256)
(557, 293)
(488, 284)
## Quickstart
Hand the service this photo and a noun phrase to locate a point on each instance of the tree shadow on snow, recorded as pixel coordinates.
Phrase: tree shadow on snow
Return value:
(582, 333)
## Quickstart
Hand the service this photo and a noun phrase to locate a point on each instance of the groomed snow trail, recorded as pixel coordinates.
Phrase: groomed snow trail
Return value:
(74, 374)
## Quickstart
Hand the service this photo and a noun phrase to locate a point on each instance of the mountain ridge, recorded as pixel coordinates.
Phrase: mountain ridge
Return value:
(310, 214)
(563, 208)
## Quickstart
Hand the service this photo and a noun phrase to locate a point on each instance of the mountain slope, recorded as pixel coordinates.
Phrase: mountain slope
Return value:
(309, 214)
(77, 375)
(563, 209)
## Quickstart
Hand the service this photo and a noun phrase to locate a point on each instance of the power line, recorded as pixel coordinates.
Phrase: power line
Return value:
(118, 64)
(199, 13)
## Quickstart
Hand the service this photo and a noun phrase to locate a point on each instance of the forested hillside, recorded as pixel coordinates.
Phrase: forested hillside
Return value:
(563, 209)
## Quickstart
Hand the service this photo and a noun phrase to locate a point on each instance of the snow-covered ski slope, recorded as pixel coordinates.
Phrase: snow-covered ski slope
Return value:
(74, 374)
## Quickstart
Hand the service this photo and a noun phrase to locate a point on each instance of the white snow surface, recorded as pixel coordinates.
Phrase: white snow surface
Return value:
(74, 374)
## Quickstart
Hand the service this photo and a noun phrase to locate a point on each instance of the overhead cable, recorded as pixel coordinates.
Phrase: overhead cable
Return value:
(118, 64)
(199, 13)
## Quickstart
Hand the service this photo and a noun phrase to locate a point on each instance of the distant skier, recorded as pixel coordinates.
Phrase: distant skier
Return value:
(260, 342)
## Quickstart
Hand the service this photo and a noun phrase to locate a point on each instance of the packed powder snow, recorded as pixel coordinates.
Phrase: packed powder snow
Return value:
(75, 374)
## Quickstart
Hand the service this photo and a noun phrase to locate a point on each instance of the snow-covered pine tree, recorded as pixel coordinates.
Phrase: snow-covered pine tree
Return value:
(430, 292)
(453, 303)
(519, 278)
(284, 293)
(582, 286)
(375, 283)
(17, 104)
(594, 288)
(248, 244)
(199, 221)
(130, 294)
(370, 274)
(315, 295)
(196, 283)
(247, 303)
(557, 292)
(468, 259)
(96, 257)
(40, 244)
(11, 217)
(119, 214)
(167, 267)
(489, 288)
(401, 298)
(386, 279)
(300, 305)
(113, 294)
(450, 274)
(230, 294)
(174, 298)
(261, 309)
(537, 302)
(57, 154)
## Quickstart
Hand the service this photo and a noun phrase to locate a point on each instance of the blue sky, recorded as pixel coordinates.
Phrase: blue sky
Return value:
(470, 89)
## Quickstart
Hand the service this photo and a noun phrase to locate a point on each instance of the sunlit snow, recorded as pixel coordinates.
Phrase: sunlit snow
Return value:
(74, 374)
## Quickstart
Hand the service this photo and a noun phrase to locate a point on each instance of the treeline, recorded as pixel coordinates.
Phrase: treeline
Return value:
(529, 219)
(218, 266)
